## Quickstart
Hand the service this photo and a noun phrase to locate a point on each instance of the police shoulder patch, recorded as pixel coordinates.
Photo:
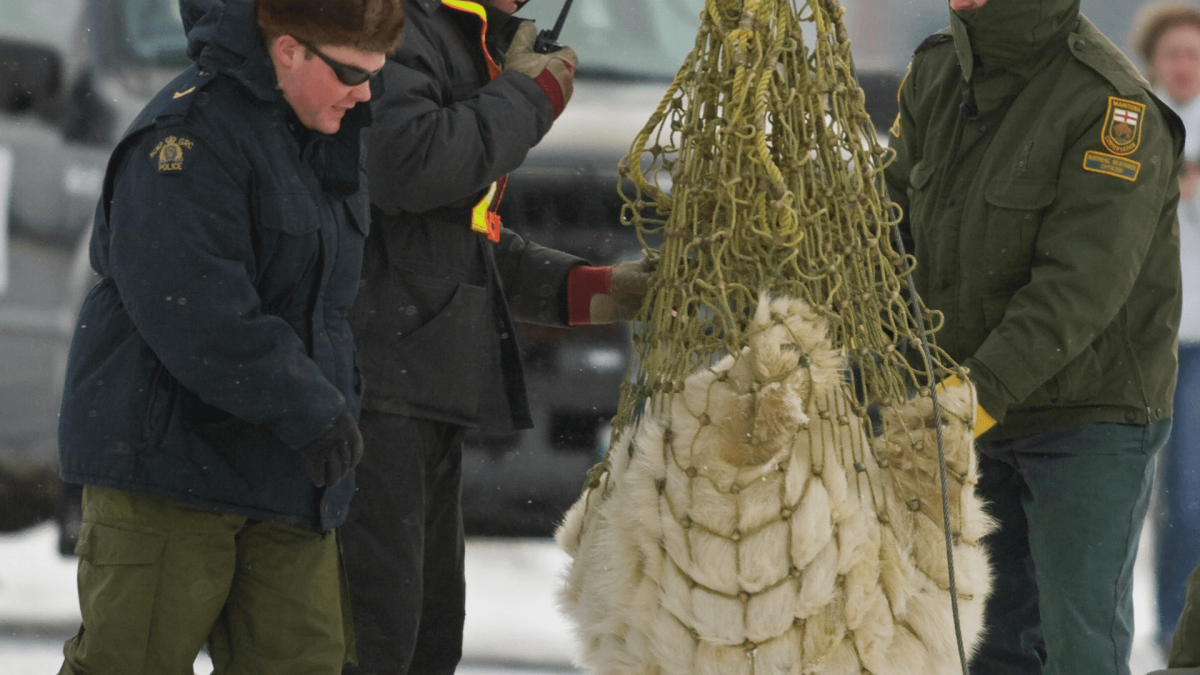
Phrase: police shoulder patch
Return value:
(1122, 131)
(171, 153)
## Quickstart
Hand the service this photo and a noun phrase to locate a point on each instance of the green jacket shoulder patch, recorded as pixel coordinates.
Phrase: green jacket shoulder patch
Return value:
(1091, 48)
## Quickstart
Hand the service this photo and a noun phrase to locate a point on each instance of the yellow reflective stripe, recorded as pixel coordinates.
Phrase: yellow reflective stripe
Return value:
(468, 6)
(475, 8)
(479, 214)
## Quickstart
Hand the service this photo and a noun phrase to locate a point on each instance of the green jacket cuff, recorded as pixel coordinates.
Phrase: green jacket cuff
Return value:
(1000, 376)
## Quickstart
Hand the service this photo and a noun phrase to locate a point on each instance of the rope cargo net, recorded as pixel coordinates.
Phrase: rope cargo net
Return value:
(771, 501)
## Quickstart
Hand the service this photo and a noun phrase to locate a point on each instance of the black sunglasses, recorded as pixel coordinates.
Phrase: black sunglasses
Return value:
(351, 76)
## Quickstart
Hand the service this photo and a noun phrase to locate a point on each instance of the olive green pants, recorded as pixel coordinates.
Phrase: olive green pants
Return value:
(1185, 651)
(159, 579)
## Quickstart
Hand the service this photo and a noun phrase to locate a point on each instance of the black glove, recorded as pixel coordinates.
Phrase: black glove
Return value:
(335, 452)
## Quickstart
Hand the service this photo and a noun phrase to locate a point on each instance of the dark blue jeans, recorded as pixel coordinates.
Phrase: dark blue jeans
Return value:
(1070, 505)
(1179, 538)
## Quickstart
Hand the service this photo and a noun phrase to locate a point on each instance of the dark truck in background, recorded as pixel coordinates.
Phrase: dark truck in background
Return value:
(74, 73)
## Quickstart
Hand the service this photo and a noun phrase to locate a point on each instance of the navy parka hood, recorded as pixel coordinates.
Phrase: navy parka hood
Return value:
(224, 36)
(200, 19)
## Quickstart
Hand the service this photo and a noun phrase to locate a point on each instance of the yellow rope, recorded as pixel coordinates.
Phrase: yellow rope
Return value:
(761, 171)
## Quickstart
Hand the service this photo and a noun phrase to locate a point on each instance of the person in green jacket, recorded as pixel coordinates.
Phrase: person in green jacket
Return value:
(1037, 174)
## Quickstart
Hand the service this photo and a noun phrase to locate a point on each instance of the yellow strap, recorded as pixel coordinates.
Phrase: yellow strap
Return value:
(475, 8)
(983, 421)
(483, 219)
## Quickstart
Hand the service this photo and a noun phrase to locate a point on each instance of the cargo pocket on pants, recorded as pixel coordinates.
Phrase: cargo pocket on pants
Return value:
(118, 586)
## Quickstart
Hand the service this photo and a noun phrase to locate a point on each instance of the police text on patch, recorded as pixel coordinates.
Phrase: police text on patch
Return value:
(170, 153)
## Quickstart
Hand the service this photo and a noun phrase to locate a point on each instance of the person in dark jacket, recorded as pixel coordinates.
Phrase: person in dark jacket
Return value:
(211, 392)
(1037, 175)
(464, 100)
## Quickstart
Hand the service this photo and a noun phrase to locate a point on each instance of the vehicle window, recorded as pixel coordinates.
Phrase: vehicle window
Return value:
(39, 20)
(155, 30)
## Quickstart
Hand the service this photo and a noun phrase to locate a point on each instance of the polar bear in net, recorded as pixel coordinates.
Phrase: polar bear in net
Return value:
(754, 524)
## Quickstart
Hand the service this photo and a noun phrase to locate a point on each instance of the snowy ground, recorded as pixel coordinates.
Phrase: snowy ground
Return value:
(512, 627)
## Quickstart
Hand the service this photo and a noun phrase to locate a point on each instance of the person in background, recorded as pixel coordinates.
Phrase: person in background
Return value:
(1037, 174)
(1167, 38)
(464, 99)
(211, 392)
(1184, 655)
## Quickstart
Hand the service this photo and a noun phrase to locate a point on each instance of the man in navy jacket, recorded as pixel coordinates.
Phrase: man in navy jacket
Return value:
(211, 392)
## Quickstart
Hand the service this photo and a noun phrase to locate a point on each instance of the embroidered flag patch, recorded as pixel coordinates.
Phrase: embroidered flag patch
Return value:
(1122, 132)
(1112, 165)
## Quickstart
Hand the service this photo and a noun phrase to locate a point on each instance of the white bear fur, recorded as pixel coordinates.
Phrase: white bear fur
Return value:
(748, 525)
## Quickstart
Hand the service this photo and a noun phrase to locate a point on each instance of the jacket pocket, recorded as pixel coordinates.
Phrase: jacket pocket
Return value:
(1015, 209)
(439, 365)
(105, 545)
(288, 252)
(359, 208)
(920, 208)
(920, 180)
(289, 233)
(920, 174)
(289, 212)
(158, 407)
(1080, 379)
(994, 307)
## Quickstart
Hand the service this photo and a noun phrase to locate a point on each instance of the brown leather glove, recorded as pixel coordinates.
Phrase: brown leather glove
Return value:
(553, 72)
(607, 294)
(335, 452)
